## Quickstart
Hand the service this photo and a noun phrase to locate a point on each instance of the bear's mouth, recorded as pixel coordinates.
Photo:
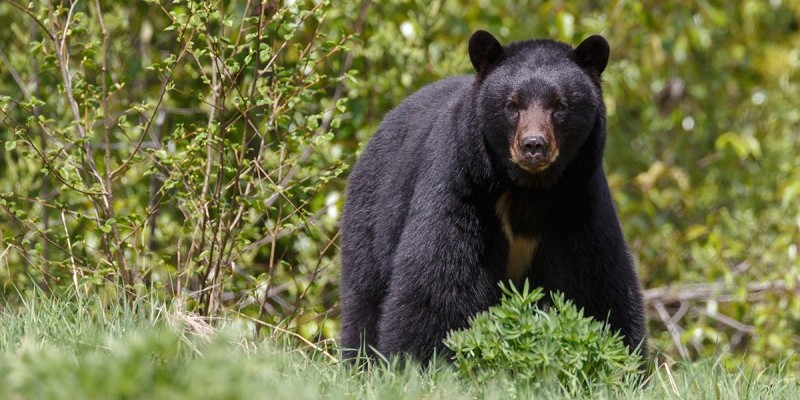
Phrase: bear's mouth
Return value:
(533, 167)
(533, 163)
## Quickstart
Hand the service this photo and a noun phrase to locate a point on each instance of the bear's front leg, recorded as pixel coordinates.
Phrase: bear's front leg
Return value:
(440, 279)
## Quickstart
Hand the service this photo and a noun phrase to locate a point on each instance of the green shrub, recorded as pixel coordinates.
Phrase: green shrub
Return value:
(520, 339)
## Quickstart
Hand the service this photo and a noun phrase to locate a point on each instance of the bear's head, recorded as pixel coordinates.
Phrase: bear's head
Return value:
(538, 103)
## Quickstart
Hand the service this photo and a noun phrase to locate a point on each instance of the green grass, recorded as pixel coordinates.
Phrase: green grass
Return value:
(86, 349)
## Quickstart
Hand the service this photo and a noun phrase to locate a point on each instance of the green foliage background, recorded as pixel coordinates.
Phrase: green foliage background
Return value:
(171, 175)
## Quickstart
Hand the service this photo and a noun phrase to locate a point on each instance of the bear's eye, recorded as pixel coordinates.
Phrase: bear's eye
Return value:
(512, 105)
(561, 106)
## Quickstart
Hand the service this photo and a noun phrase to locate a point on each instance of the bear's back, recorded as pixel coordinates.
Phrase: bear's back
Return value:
(385, 178)
(422, 128)
(427, 111)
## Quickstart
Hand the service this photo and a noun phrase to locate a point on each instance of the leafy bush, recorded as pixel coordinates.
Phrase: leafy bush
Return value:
(170, 147)
(535, 344)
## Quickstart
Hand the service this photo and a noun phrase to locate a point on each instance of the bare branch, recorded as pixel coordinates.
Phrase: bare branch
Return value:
(728, 321)
(14, 74)
(674, 330)
(718, 291)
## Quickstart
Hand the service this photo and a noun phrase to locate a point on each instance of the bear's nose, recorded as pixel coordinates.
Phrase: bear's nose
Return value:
(533, 146)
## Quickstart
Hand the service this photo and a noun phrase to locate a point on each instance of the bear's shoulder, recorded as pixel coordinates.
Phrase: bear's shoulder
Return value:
(437, 97)
(429, 113)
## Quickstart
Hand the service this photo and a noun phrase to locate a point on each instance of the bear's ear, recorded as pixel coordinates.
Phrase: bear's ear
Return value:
(484, 50)
(592, 54)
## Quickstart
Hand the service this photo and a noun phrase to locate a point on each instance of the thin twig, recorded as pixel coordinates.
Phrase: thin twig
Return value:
(164, 85)
(304, 340)
(337, 94)
(14, 74)
(75, 271)
(673, 329)
(33, 17)
(718, 291)
(730, 322)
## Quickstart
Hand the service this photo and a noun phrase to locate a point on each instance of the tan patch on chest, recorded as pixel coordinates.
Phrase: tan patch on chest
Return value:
(521, 248)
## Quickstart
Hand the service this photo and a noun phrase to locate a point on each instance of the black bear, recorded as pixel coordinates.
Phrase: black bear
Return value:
(479, 179)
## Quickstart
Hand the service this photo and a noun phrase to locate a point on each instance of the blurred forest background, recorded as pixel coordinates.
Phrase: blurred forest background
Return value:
(198, 151)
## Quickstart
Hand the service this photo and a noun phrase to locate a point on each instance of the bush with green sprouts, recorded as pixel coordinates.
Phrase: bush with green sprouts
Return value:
(532, 344)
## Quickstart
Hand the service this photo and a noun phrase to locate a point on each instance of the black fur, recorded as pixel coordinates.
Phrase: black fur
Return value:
(423, 249)
(484, 51)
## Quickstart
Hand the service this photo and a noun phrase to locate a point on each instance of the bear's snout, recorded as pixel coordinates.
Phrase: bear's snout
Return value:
(534, 147)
